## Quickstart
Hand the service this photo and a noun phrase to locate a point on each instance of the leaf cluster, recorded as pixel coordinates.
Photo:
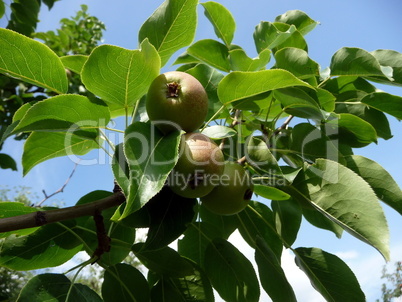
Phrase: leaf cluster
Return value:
(304, 170)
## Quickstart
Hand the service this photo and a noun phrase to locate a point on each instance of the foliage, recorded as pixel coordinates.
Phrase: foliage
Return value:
(307, 170)
(78, 35)
(393, 287)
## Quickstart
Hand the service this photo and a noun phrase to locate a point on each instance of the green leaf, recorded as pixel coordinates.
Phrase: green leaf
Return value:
(288, 218)
(151, 156)
(209, 78)
(354, 131)
(24, 16)
(196, 239)
(121, 171)
(171, 27)
(165, 261)
(7, 162)
(309, 142)
(257, 221)
(31, 61)
(122, 237)
(301, 20)
(379, 179)
(212, 53)
(392, 59)
(329, 275)
(50, 246)
(346, 199)
(2, 9)
(239, 61)
(222, 20)
(385, 102)
(276, 36)
(355, 62)
(42, 146)
(296, 61)
(185, 58)
(169, 214)
(124, 283)
(68, 112)
(56, 287)
(238, 85)
(230, 272)
(121, 76)
(298, 103)
(259, 156)
(11, 209)
(271, 193)
(371, 115)
(219, 132)
(74, 62)
(272, 276)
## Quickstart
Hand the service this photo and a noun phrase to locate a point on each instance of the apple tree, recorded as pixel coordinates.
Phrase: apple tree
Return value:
(276, 120)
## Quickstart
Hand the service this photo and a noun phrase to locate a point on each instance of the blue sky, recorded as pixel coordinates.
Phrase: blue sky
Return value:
(369, 24)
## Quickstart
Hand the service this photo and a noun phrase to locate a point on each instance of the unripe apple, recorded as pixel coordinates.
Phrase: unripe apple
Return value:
(177, 100)
(198, 168)
(233, 193)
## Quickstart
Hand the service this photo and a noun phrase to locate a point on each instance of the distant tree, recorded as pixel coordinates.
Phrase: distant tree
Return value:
(393, 287)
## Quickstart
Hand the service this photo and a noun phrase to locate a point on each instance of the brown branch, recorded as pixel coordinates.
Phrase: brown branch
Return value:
(40, 218)
(103, 239)
(284, 125)
(59, 190)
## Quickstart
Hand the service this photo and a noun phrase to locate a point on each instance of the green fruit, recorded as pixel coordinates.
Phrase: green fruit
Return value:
(198, 168)
(177, 100)
(233, 193)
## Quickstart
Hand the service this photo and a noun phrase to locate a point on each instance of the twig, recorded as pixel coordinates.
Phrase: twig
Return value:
(234, 123)
(40, 218)
(59, 190)
(103, 239)
(284, 125)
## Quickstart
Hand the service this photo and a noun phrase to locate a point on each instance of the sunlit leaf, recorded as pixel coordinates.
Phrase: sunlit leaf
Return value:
(239, 85)
(379, 179)
(393, 59)
(296, 61)
(222, 20)
(151, 156)
(31, 61)
(326, 186)
(74, 62)
(300, 19)
(121, 76)
(239, 61)
(271, 193)
(355, 62)
(385, 102)
(171, 27)
(41, 146)
(212, 53)
(67, 112)
(219, 132)
(298, 103)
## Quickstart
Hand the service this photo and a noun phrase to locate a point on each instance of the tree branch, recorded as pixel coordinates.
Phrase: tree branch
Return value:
(59, 190)
(40, 218)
